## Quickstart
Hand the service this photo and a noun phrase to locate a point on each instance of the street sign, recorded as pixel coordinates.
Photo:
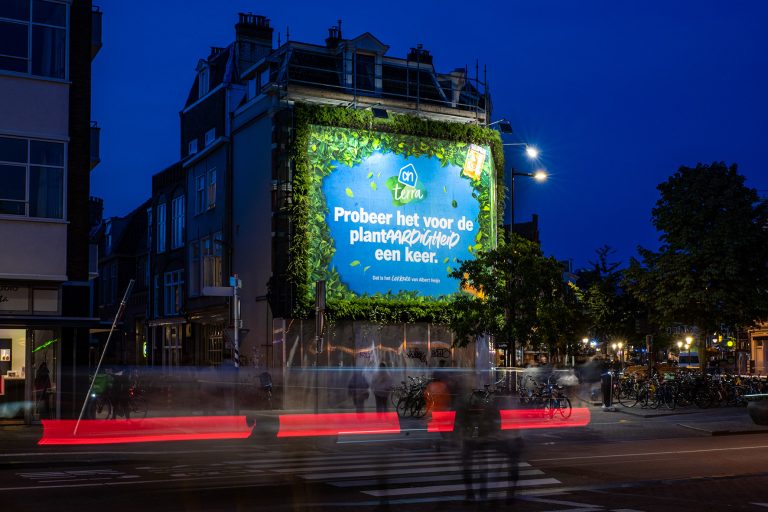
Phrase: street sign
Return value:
(218, 291)
(235, 282)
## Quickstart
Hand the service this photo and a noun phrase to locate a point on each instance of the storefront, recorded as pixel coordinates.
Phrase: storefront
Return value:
(32, 334)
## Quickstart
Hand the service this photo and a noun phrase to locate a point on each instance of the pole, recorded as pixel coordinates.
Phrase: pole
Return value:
(101, 359)
(319, 317)
(236, 314)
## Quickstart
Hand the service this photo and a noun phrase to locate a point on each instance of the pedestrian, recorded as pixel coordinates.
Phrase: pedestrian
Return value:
(42, 388)
(382, 386)
(358, 390)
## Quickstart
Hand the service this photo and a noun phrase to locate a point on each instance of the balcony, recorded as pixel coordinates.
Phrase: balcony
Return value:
(96, 42)
(95, 138)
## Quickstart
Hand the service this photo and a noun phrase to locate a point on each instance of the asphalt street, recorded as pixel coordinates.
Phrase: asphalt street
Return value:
(628, 460)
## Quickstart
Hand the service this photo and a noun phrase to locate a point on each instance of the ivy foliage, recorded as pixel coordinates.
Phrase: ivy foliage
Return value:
(315, 151)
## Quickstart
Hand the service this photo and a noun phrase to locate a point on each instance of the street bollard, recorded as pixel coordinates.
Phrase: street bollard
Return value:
(607, 388)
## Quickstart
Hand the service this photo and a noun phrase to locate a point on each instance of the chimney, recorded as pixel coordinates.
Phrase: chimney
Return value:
(420, 55)
(253, 39)
(334, 36)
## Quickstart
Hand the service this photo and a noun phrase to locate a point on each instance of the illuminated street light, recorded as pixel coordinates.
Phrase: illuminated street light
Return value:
(532, 152)
(585, 340)
(540, 175)
(688, 340)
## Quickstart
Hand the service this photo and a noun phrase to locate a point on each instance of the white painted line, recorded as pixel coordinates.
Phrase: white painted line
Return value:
(397, 471)
(402, 463)
(504, 484)
(422, 479)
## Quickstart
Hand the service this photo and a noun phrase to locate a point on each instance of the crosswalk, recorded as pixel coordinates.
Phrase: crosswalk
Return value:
(418, 474)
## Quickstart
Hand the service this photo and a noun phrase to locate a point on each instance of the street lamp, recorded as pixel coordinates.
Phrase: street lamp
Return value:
(540, 175)
(532, 152)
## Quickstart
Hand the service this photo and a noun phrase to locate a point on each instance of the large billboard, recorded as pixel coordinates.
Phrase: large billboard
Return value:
(392, 215)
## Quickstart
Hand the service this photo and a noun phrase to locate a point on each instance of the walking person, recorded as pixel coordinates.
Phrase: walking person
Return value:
(42, 389)
(358, 390)
(382, 386)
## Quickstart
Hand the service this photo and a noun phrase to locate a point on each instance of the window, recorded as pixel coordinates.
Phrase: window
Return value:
(161, 227)
(203, 82)
(194, 268)
(210, 136)
(158, 298)
(211, 188)
(263, 78)
(192, 147)
(211, 251)
(33, 37)
(177, 220)
(32, 177)
(365, 72)
(174, 284)
(109, 283)
(200, 199)
(108, 237)
(149, 231)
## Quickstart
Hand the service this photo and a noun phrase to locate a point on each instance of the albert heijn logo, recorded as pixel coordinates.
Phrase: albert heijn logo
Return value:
(408, 176)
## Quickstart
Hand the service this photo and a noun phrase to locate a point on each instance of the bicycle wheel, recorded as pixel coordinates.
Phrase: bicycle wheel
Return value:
(564, 409)
(419, 407)
(628, 397)
(403, 406)
(101, 408)
(138, 407)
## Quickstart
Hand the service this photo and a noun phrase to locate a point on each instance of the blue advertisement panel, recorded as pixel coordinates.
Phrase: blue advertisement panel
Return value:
(392, 215)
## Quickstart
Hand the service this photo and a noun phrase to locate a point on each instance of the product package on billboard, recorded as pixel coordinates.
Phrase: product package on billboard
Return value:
(392, 215)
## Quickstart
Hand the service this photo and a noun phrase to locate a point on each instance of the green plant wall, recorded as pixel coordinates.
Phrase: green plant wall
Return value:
(313, 152)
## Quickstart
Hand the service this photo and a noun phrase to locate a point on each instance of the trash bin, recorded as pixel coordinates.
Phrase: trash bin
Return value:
(607, 387)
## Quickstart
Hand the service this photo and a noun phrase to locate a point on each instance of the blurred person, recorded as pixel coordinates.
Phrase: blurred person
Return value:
(382, 385)
(358, 390)
(478, 425)
(42, 388)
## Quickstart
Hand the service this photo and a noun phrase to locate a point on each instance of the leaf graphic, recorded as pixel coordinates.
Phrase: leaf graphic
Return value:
(373, 185)
(446, 260)
(349, 193)
(445, 189)
(453, 203)
(370, 175)
(354, 263)
(365, 269)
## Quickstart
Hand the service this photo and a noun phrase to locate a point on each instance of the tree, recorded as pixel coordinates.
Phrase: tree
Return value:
(611, 312)
(712, 266)
(513, 290)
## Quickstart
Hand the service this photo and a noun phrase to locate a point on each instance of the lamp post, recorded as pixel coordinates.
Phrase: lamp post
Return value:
(679, 350)
(540, 175)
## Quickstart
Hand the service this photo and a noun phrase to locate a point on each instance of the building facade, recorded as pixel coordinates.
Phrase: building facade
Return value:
(47, 151)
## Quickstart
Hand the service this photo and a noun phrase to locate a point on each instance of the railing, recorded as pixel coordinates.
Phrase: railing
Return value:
(412, 89)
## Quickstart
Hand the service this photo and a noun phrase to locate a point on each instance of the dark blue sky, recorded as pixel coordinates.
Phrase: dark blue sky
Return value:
(617, 95)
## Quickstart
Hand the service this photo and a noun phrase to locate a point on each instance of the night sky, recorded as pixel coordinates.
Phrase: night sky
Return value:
(616, 94)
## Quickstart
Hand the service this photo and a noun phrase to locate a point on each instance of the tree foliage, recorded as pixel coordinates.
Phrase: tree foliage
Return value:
(518, 295)
(711, 268)
(611, 313)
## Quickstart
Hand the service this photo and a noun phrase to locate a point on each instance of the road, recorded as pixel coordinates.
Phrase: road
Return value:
(620, 462)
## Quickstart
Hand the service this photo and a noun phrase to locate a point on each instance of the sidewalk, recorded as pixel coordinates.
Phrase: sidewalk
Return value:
(716, 421)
